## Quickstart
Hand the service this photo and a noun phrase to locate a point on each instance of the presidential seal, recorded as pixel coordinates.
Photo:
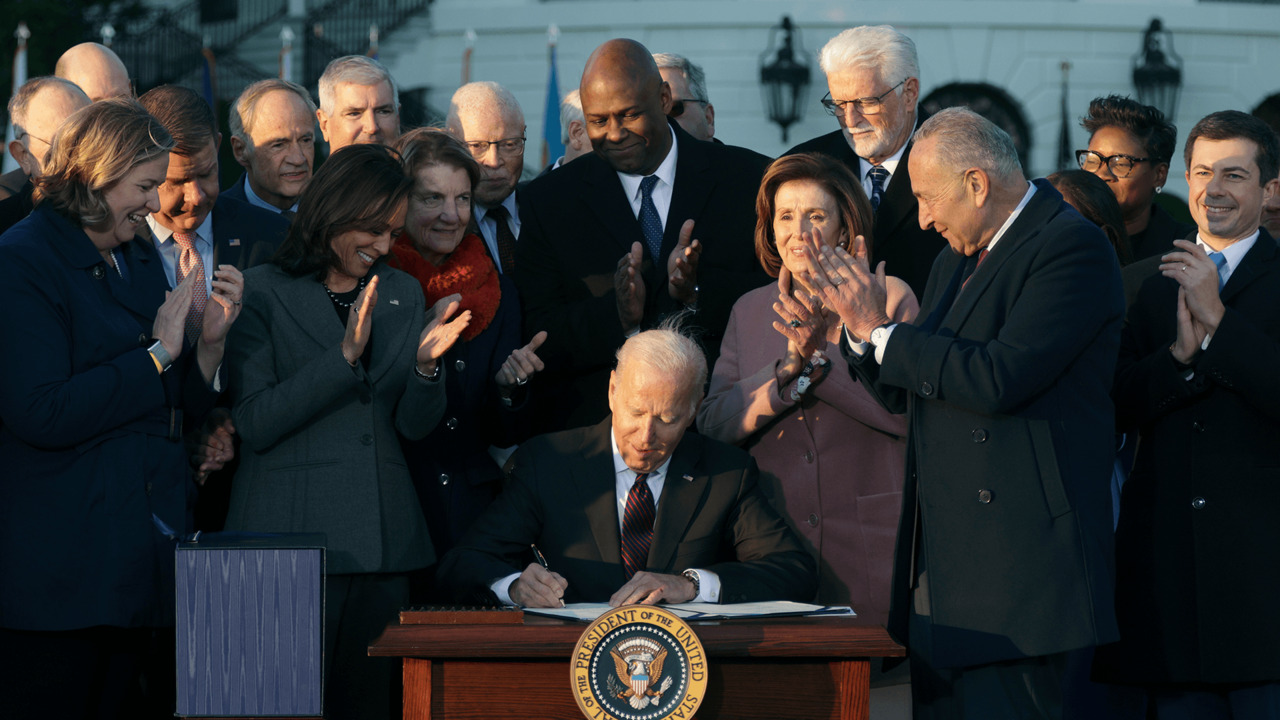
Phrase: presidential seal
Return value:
(639, 662)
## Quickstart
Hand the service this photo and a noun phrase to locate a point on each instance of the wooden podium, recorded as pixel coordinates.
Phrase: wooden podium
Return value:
(766, 669)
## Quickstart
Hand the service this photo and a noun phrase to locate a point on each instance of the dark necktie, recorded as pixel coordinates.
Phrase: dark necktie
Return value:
(982, 255)
(878, 177)
(637, 526)
(506, 239)
(650, 223)
(1221, 261)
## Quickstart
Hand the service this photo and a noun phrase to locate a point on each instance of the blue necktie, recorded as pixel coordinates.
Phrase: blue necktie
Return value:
(878, 177)
(650, 223)
(1221, 261)
(637, 526)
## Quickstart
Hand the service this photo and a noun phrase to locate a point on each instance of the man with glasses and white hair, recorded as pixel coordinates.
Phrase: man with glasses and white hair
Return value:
(359, 103)
(690, 105)
(487, 119)
(874, 81)
(38, 109)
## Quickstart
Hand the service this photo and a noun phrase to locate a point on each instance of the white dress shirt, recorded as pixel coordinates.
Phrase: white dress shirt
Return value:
(890, 164)
(489, 225)
(666, 174)
(170, 252)
(256, 201)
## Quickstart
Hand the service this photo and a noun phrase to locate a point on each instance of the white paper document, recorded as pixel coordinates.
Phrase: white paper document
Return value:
(586, 612)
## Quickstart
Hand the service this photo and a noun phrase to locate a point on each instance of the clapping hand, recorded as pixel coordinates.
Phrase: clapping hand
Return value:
(214, 445)
(682, 266)
(171, 319)
(1197, 276)
(224, 304)
(628, 285)
(520, 365)
(804, 325)
(847, 284)
(360, 322)
(441, 332)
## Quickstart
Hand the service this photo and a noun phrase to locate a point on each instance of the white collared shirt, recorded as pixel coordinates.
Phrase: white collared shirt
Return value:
(1233, 253)
(489, 225)
(890, 164)
(662, 191)
(256, 201)
(170, 252)
(861, 347)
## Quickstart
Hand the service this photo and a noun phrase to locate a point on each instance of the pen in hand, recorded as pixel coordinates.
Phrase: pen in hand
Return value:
(537, 555)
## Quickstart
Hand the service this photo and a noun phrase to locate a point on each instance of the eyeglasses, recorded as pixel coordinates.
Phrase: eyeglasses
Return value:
(507, 147)
(864, 106)
(678, 108)
(1120, 165)
(23, 133)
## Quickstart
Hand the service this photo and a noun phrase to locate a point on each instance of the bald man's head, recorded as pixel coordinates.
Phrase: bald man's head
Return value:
(625, 103)
(96, 69)
(37, 110)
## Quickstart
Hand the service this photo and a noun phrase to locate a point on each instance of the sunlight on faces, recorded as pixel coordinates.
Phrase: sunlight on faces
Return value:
(46, 112)
(698, 118)
(1271, 214)
(627, 120)
(874, 137)
(1134, 193)
(946, 204)
(1226, 197)
(281, 148)
(361, 114)
(799, 206)
(358, 250)
(498, 173)
(650, 414)
(189, 190)
(131, 200)
(439, 210)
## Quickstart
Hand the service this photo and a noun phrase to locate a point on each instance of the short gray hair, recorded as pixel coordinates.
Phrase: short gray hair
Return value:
(21, 100)
(879, 46)
(357, 70)
(669, 351)
(693, 74)
(485, 96)
(965, 139)
(242, 111)
(570, 111)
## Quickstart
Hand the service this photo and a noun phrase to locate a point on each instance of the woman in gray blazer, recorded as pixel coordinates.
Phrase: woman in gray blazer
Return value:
(329, 363)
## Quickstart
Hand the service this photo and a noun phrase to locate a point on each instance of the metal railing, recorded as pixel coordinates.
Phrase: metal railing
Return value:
(342, 27)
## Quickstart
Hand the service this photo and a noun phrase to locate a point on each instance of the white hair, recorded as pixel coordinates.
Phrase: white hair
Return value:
(357, 70)
(879, 46)
(693, 74)
(484, 96)
(965, 139)
(242, 110)
(570, 111)
(671, 353)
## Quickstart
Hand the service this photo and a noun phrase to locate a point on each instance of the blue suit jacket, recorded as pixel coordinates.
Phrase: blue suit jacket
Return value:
(90, 445)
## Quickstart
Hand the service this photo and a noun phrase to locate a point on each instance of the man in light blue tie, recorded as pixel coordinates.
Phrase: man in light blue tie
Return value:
(1197, 543)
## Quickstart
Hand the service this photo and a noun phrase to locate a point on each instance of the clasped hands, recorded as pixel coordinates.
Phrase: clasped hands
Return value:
(682, 277)
(539, 587)
(1199, 308)
(220, 312)
(845, 283)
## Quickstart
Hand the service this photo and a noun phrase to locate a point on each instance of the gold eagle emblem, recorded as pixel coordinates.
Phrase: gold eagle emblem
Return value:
(638, 663)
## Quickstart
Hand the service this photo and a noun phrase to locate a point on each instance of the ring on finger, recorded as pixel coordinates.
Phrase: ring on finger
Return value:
(522, 381)
(795, 323)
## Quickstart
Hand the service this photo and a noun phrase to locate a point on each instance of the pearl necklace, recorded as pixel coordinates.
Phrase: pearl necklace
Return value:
(340, 303)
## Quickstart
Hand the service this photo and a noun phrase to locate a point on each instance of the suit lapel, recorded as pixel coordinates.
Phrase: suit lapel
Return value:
(1257, 262)
(226, 248)
(390, 316)
(305, 300)
(594, 478)
(608, 201)
(895, 206)
(682, 495)
(694, 183)
(142, 297)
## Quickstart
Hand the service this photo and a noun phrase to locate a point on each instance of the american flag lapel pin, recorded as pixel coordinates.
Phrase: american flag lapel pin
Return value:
(688, 478)
(235, 242)
(395, 302)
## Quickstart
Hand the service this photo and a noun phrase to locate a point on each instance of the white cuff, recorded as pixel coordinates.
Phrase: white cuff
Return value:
(708, 586)
(858, 347)
(502, 588)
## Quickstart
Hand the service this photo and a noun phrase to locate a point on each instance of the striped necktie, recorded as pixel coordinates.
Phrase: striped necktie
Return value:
(637, 526)
(878, 177)
(191, 262)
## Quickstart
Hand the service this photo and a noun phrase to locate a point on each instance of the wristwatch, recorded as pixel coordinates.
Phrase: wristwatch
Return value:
(879, 335)
(692, 575)
(160, 356)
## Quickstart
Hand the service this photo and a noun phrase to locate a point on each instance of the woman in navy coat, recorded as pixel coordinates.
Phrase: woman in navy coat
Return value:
(95, 388)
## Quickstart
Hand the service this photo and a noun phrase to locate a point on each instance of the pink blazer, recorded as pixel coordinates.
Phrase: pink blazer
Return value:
(832, 464)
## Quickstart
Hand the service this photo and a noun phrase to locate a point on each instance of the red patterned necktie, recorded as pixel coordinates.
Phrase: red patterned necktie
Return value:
(637, 526)
(982, 255)
(190, 262)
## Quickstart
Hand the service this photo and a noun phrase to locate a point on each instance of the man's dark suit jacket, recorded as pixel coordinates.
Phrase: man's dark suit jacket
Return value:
(1157, 239)
(1198, 544)
(11, 183)
(236, 191)
(562, 496)
(576, 223)
(1007, 499)
(16, 207)
(896, 238)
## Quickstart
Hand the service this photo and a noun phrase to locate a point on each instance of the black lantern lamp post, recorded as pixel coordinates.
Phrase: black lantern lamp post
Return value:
(784, 79)
(1157, 70)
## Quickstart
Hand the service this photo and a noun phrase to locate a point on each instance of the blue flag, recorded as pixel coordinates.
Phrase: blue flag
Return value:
(552, 147)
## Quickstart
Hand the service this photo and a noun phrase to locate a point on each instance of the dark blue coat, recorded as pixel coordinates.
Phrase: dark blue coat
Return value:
(90, 448)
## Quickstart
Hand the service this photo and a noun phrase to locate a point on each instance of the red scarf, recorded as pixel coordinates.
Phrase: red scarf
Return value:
(467, 270)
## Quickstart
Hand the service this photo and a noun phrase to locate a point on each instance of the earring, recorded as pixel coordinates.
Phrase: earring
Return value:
(1159, 189)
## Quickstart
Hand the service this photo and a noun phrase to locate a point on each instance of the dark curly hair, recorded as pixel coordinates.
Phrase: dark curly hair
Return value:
(1158, 136)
